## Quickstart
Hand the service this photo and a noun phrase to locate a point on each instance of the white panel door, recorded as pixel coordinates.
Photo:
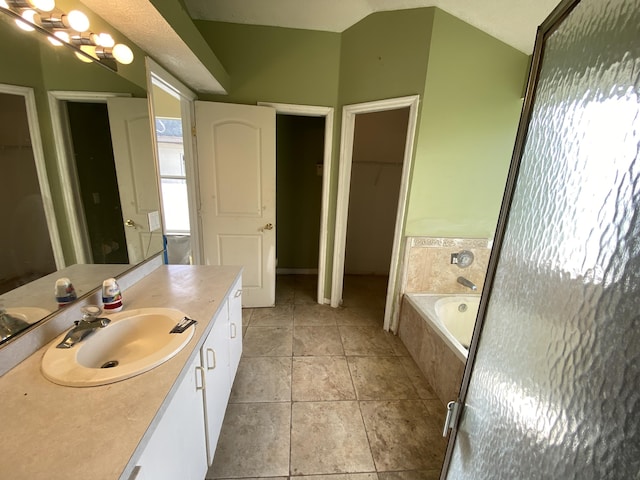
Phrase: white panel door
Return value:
(236, 174)
(136, 172)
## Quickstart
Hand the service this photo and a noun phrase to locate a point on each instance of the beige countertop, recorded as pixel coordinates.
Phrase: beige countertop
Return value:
(53, 432)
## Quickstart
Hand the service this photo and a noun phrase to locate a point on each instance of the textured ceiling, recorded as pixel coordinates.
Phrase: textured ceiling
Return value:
(142, 24)
(512, 21)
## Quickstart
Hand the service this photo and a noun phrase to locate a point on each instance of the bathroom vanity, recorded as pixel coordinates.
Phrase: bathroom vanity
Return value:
(161, 424)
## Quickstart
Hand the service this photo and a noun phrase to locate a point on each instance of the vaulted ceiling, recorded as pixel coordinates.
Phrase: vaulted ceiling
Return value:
(512, 21)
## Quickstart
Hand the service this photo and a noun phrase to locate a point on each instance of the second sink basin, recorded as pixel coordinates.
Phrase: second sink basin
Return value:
(133, 343)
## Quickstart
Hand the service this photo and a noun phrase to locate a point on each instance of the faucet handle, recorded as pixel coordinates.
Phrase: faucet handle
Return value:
(90, 312)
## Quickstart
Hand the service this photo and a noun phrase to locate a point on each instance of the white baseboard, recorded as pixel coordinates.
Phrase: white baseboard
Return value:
(296, 271)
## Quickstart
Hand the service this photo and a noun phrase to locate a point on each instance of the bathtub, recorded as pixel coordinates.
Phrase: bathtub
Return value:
(451, 316)
(437, 330)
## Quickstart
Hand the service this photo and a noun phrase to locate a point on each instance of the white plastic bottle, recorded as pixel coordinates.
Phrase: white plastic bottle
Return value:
(111, 296)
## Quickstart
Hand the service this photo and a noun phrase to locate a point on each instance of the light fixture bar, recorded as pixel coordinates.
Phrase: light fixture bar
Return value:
(76, 39)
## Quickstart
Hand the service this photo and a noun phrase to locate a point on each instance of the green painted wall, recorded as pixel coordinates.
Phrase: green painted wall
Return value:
(275, 64)
(470, 86)
(300, 146)
(385, 56)
(470, 111)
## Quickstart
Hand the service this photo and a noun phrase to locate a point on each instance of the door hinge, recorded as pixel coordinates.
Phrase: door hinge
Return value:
(193, 131)
(453, 410)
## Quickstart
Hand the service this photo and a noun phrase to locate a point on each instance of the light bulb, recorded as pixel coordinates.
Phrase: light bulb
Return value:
(122, 54)
(28, 15)
(63, 36)
(105, 40)
(44, 5)
(78, 21)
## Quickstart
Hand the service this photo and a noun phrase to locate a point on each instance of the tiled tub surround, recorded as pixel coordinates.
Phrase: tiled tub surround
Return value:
(442, 367)
(428, 267)
(54, 432)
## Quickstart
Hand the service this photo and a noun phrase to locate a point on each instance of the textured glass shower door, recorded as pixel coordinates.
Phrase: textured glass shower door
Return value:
(553, 387)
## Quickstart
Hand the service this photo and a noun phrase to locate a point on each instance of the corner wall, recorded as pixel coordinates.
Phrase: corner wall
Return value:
(470, 111)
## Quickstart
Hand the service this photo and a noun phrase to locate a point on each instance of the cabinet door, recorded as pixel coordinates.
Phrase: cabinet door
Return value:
(215, 360)
(177, 447)
(235, 328)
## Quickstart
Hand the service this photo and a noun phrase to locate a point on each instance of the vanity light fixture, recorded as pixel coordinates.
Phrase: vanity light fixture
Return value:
(69, 29)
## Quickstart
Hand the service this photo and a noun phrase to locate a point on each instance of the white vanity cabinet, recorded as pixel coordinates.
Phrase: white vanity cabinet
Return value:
(184, 442)
(215, 361)
(176, 449)
(235, 328)
(220, 356)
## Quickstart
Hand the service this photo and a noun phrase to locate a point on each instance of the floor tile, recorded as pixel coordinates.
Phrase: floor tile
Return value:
(411, 475)
(339, 476)
(362, 316)
(403, 436)
(380, 378)
(278, 316)
(313, 341)
(398, 347)
(321, 378)
(254, 441)
(268, 342)
(306, 296)
(262, 379)
(328, 437)
(417, 378)
(436, 409)
(246, 316)
(358, 340)
(314, 315)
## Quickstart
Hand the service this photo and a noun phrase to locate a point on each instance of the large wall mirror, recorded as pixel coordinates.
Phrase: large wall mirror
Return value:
(80, 191)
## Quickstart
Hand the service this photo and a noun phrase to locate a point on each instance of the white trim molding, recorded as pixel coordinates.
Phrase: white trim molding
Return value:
(41, 168)
(64, 159)
(327, 113)
(349, 113)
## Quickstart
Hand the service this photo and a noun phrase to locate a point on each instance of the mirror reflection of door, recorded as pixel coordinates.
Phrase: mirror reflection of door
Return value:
(26, 253)
(93, 154)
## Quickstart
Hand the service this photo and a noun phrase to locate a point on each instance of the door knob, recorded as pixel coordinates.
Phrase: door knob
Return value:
(268, 226)
(130, 223)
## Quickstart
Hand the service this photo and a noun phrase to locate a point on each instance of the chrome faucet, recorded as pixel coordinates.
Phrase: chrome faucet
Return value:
(89, 323)
(10, 325)
(467, 283)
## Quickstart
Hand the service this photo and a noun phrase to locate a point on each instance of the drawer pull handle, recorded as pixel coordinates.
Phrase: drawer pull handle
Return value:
(200, 370)
(238, 293)
(211, 359)
(234, 330)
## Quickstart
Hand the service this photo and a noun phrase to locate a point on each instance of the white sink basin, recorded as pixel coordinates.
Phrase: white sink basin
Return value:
(133, 343)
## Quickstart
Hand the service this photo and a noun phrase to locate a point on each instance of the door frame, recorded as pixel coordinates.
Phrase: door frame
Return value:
(66, 164)
(349, 113)
(37, 150)
(327, 113)
(157, 75)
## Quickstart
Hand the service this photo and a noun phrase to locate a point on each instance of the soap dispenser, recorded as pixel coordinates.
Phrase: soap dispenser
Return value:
(111, 296)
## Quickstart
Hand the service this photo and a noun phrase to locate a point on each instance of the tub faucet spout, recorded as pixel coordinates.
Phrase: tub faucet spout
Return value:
(467, 283)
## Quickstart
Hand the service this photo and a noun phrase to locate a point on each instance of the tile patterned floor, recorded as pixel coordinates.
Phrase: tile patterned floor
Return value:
(326, 394)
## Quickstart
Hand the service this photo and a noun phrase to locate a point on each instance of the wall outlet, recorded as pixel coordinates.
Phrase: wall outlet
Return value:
(154, 220)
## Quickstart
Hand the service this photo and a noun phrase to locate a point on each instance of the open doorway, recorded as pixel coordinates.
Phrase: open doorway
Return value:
(406, 122)
(376, 174)
(97, 182)
(299, 165)
(306, 130)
